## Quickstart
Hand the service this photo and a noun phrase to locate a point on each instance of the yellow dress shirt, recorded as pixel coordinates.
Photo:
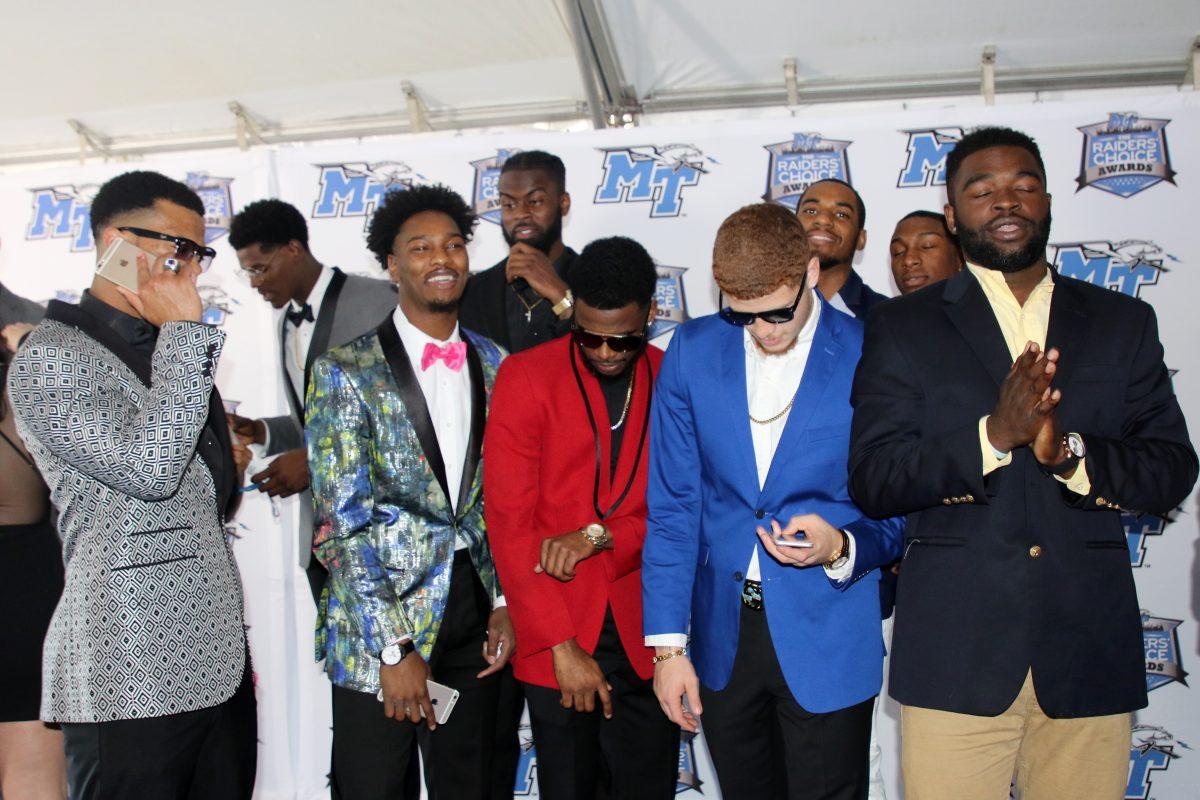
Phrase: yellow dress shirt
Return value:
(1020, 324)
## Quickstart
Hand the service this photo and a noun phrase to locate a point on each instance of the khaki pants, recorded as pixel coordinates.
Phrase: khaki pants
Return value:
(948, 756)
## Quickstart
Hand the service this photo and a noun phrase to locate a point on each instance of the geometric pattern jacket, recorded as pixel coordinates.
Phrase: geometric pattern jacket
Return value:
(384, 527)
(150, 621)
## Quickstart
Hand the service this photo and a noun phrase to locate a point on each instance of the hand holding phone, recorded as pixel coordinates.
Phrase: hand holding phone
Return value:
(792, 541)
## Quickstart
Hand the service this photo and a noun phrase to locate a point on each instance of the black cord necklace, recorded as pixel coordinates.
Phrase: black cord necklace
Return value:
(603, 515)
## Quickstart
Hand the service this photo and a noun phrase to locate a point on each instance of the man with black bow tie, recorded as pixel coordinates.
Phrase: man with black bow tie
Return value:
(325, 308)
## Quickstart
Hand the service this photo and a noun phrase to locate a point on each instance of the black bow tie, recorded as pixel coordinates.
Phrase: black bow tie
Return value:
(296, 317)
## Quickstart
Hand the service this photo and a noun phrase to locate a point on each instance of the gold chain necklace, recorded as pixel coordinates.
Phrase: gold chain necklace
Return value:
(786, 409)
(528, 307)
(628, 397)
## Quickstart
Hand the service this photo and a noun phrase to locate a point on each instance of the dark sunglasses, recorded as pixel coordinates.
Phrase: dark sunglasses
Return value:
(625, 343)
(185, 249)
(775, 316)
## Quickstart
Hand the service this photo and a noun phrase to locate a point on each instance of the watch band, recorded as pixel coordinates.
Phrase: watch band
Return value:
(842, 557)
(566, 303)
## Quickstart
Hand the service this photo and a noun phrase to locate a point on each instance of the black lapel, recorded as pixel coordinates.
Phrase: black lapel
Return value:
(414, 399)
(968, 308)
(228, 498)
(76, 317)
(297, 403)
(478, 414)
(324, 324)
(1068, 322)
(496, 309)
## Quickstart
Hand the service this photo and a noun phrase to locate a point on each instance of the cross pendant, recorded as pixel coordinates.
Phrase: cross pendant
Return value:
(529, 315)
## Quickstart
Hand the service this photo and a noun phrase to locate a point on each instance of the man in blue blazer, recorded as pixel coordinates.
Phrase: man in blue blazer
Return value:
(750, 434)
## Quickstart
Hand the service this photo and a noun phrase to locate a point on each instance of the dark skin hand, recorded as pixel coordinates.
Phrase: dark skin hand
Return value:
(285, 476)
(1026, 403)
(252, 431)
(405, 693)
(525, 261)
(561, 553)
(580, 679)
(499, 631)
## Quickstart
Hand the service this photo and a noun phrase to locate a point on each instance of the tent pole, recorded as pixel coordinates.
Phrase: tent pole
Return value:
(587, 73)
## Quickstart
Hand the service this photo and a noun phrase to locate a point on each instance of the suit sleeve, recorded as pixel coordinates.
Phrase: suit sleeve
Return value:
(339, 463)
(283, 433)
(672, 545)
(512, 453)
(1152, 465)
(144, 455)
(895, 467)
(877, 543)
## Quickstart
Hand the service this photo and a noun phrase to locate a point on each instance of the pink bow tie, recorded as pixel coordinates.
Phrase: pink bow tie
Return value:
(454, 355)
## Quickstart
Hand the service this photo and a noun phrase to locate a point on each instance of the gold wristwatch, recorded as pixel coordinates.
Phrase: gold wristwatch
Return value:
(597, 534)
(563, 305)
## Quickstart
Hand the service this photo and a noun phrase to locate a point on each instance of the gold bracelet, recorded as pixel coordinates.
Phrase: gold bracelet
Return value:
(678, 651)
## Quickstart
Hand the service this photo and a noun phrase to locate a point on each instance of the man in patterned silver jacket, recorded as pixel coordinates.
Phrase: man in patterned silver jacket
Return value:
(145, 662)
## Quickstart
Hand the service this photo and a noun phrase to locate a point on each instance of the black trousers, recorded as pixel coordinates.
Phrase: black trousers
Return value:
(210, 754)
(765, 745)
(507, 749)
(373, 755)
(580, 756)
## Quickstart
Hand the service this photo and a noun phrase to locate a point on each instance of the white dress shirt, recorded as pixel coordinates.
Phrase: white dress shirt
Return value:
(298, 338)
(771, 383)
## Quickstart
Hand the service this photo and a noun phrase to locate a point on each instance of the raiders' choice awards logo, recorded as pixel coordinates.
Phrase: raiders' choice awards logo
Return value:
(354, 189)
(216, 305)
(218, 203)
(1138, 530)
(1125, 154)
(63, 212)
(797, 164)
(1163, 654)
(1153, 749)
(689, 773)
(1124, 266)
(485, 197)
(651, 173)
(927, 151)
(671, 309)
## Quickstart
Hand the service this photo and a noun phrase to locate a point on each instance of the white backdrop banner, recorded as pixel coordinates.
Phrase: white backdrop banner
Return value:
(1125, 183)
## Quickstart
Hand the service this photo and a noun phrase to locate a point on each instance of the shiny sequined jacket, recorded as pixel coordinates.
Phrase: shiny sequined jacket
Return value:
(384, 527)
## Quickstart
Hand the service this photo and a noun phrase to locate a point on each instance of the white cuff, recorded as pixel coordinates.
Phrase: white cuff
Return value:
(667, 640)
(845, 570)
(499, 602)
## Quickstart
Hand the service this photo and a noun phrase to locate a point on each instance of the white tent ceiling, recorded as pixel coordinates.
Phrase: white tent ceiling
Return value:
(139, 76)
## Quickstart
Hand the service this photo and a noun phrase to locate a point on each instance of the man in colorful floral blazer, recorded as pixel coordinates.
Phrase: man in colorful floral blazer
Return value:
(394, 431)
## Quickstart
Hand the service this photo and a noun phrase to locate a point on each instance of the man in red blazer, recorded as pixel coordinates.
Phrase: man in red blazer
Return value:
(564, 481)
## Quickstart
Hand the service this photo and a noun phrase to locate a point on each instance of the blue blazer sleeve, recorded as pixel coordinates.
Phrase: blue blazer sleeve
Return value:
(672, 544)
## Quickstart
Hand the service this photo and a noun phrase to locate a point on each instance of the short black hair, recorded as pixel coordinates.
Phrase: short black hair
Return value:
(862, 207)
(549, 163)
(134, 191)
(268, 224)
(983, 138)
(401, 204)
(612, 273)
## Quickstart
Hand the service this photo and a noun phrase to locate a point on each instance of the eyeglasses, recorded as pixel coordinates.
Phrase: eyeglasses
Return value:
(185, 249)
(775, 316)
(257, 272)
(624, 343)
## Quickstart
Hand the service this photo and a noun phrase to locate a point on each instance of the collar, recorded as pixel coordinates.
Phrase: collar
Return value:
(993, 284)
(135, 331)
(805, 337)
(414, 339)
(318, 291)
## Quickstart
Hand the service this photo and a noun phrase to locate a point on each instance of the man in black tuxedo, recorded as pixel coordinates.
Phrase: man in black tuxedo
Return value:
(325, 308)
(1012, 413)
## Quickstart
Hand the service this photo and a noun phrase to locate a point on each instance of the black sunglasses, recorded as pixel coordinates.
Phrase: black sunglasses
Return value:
(185, 249)
(775, 316)
(624, 343)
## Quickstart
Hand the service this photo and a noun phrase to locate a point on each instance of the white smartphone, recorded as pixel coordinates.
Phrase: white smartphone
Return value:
(799, 542)
(119, 264)
(442, 698)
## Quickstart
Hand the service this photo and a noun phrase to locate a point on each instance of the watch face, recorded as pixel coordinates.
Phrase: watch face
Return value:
(1075, 444)
(595, 529)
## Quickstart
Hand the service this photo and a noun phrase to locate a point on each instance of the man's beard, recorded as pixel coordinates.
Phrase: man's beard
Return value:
(443, 308)
(827, 263)
(545, 242)
(982, 252)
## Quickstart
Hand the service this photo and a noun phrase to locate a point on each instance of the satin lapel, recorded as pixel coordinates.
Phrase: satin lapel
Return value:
(599, 407)
(635, 424)
(297, 402)
(1068, 324)
(324, 324)
(414, 400)
(969, 311)
(822, 360)
(733, 387)
(475, 443)
(216, 421)
(76, 317)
